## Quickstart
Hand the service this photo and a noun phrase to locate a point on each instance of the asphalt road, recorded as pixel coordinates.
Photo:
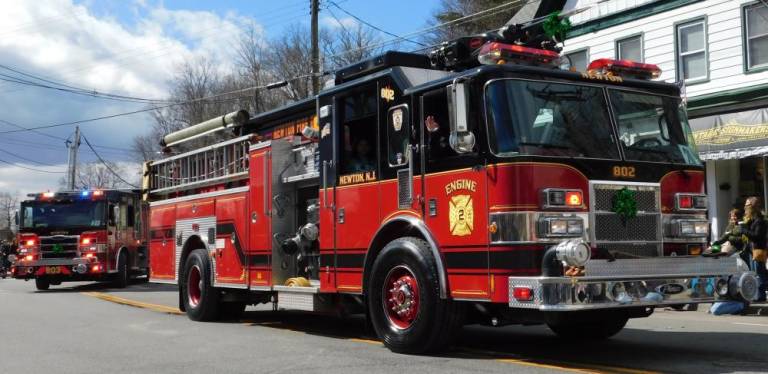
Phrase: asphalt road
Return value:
(89, 328)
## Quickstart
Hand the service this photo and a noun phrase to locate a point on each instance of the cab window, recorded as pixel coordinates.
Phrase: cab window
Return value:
(358, 125)
(437, 129)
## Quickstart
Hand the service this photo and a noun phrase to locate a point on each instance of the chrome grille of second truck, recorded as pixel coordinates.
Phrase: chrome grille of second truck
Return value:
(58, 246)
(624, 236)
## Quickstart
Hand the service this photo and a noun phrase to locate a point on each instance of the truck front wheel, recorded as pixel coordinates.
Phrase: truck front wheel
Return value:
(597, 330)
(42, 284)
(201, 300)
(404, 299)
(121, 278)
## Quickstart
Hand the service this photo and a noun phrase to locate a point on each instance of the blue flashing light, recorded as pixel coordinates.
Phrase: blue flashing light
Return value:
(85, 193)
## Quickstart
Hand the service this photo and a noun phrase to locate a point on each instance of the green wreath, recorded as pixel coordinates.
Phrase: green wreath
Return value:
(625, 204)
(555, 27)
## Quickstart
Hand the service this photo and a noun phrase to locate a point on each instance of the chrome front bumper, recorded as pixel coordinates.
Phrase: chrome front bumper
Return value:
(54, 262)
(638, 283)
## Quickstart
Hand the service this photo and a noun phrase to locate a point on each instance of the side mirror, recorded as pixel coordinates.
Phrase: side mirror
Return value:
(462, 140)
(16, 218)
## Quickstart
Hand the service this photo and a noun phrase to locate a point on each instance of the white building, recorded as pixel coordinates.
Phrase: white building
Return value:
(719, 48)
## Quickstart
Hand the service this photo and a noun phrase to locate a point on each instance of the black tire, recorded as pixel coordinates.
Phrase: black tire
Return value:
(591, 330)
(203, 303)
(231, 311)
(122, 277)
(42, 284)
(434, 323)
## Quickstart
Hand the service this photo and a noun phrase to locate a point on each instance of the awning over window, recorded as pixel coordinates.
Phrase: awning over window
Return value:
(732, 135)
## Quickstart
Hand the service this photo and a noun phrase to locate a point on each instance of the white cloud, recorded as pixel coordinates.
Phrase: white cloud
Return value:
(335, 23)
(130, 54)
(17, 179)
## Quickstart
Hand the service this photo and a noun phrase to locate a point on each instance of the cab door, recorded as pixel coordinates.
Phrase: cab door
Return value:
(455, 198)
(355, 188)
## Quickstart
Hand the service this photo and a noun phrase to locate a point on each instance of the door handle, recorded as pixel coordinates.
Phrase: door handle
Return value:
(266, 186)
(325, 184)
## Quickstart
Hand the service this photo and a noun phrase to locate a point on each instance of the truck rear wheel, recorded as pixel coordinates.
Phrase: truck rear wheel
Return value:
(404, 300)
(42, 284)
(597, 330)
(201, 300)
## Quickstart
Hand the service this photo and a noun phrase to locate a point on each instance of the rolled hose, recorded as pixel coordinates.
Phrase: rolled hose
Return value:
(550, 265)
(297, 282)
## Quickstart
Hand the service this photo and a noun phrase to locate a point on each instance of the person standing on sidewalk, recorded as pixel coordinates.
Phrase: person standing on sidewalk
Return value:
(755, 230)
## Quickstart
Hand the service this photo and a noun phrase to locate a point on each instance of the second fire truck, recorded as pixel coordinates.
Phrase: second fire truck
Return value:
(89, 235)
(480, 184)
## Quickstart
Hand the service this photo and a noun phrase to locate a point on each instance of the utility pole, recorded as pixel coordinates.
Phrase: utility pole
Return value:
(72, 165)
(315, 48)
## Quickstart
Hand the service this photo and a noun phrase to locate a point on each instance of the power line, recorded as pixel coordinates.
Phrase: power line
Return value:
(28, 168)
(370, 25)
(58, 137)
(25, 159)
(461, 20)
(253, 88)
(107, 165)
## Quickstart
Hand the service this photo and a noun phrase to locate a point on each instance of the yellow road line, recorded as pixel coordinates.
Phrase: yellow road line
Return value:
(134, 303)
(557, 365)
(567, 367)
(368, 341)
(545, 366)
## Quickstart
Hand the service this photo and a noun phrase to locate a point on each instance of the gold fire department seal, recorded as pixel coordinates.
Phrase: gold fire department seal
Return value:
(462, 215)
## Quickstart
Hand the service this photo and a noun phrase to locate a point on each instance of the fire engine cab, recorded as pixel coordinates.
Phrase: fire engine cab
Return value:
(481, 183)
(89, 235)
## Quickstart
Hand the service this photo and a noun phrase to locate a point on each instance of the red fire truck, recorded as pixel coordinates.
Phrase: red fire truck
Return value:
(479, 184)
(90, 235)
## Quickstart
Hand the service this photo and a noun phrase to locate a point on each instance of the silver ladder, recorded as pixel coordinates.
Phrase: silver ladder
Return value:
(218, 163)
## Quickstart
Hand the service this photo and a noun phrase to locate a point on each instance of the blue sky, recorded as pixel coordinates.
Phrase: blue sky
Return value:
(130, 47)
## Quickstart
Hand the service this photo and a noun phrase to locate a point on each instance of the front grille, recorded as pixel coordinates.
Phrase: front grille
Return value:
(58, 246)
(647, 197)
(627, 250)
(619, 237)
(612, 227)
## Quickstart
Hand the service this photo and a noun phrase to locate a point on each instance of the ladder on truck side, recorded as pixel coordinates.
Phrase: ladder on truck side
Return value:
(222, 162)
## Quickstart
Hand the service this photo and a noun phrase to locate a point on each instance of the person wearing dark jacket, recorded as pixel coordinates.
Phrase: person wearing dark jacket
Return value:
(734, 216)
(754, 228)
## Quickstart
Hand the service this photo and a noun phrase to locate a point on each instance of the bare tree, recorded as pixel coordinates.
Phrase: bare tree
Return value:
(451, 10)
(96, 175)
(347, 45)
(290, 58)
(8, 204)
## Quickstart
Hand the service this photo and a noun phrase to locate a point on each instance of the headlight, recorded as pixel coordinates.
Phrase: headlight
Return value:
(561, 227)
(687, 227)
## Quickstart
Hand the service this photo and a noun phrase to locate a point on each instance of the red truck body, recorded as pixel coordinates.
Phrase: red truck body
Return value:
(86, 235)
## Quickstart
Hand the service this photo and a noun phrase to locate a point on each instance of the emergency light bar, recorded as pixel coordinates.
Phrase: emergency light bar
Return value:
(624, 68)
(494, 53)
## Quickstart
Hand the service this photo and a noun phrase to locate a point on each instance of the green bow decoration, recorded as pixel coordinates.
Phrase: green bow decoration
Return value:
(555, 27)
(624, 204)
(57, 248)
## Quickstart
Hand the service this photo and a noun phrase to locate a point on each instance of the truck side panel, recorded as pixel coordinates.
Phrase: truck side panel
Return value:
(231, 239)
(162, 246)
(259, 248)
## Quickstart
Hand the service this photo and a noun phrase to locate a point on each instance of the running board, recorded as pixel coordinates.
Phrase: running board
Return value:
(301, 298)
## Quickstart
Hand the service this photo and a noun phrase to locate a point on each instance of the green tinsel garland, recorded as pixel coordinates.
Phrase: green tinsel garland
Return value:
(624, 204)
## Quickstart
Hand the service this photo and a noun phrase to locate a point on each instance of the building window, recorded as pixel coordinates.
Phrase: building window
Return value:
(630, 48)
(692, 51)
(579, 59)
(756, 35)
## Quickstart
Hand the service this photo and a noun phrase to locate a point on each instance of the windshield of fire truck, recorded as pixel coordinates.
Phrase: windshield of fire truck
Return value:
(653, 128)
(62, 214)
(548, 119)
